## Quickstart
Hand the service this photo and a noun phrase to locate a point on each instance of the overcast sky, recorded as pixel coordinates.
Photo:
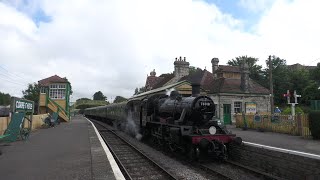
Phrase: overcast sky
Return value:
(111, 45)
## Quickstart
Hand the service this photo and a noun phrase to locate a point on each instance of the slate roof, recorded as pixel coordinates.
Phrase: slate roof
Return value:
(164, 80)
(220, 85)
(152, 80)
(225, 85)
(52, 79)
(195, 77)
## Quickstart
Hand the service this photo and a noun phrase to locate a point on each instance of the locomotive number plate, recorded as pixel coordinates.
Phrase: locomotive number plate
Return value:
(204, 103)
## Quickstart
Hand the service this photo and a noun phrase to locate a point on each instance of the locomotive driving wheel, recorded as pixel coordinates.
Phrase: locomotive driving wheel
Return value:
(170, 143)
(193, 153)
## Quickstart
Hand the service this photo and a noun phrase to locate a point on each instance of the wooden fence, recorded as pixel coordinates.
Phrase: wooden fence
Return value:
(294, 125)
(37, 121)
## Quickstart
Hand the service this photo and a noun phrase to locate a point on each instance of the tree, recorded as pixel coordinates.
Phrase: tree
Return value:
(99, 96)
(70, 85)
(119, 99)
(136, 91)
(280, 76)
(311, 92)
(5, 99)
(299, 80)
(142, 89)
(192, 69)
(256, 72)
(80, 99)
(315, 74)
(32, 93)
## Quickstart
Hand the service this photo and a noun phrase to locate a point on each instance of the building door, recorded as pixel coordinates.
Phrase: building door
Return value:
(227, 113)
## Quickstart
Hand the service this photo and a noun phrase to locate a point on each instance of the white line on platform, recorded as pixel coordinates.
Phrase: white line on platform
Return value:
(115, 168)
(299, 153)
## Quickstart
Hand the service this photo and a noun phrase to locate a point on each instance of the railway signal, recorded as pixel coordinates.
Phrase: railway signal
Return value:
(292, 98)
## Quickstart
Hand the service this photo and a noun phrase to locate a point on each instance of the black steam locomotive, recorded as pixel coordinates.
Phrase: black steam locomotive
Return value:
(173, 121)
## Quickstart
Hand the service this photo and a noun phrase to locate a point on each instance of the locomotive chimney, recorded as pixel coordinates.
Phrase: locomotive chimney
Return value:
(195, 89)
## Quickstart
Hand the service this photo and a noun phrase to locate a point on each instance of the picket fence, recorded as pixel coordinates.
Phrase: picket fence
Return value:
(294, 125)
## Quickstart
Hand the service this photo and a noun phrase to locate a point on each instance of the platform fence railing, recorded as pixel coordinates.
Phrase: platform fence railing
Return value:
(294, 125)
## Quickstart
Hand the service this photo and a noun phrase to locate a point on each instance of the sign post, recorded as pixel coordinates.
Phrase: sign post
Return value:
(19, 105)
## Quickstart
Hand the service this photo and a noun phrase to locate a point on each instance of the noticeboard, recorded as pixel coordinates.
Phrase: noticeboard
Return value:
(21, 105)
(251, 107)
(257, 118)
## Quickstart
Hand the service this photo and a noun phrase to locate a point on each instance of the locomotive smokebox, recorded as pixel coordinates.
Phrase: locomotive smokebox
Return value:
(195, 89)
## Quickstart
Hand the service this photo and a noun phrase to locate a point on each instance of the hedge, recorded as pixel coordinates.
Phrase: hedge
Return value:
(314, 124)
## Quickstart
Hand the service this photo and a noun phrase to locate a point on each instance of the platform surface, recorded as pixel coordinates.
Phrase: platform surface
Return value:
(285, 141)
(68, 151)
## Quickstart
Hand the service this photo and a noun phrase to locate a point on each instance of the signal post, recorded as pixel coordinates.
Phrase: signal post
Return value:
(292, 98)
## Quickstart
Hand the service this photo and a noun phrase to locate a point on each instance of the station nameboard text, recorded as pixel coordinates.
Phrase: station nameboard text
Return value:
(21, 105)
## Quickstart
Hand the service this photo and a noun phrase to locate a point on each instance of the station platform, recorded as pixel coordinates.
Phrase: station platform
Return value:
(278, 140)
(68, 151)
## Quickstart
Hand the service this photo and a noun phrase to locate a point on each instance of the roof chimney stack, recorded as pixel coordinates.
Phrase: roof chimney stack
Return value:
(245, 76)
(215, 66)
(181, 68)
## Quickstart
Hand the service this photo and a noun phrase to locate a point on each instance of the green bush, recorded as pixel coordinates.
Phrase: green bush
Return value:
(314, 124)
(287, 111)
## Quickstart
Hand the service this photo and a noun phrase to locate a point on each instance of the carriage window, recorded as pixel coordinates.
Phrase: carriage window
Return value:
(237, 107)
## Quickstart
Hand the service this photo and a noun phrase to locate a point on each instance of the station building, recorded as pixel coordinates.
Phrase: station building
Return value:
(55, 96)
(230, 87)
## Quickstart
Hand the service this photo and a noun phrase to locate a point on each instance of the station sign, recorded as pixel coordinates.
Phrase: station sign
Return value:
(21, 105)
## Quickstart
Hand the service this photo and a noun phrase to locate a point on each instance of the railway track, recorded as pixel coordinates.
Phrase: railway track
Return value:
(132, 162)
(231, 170)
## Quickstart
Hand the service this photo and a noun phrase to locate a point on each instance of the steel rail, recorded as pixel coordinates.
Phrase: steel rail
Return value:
(254, 171)
(215, 172)
(125, 168)
(258, 174)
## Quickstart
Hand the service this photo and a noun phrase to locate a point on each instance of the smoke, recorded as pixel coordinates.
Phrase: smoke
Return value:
(168, 91)
(131, 127)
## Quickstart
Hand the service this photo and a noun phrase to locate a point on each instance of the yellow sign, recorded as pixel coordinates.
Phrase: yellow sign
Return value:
(251, 107)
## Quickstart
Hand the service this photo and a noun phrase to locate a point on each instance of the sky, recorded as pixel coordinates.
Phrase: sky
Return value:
(111, 46)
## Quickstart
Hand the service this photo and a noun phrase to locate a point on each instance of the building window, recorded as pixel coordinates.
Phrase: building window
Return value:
(57, 91)
(237, 107)
(43, 90)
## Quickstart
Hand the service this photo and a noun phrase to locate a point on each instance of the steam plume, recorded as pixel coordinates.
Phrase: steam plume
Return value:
(131, 127)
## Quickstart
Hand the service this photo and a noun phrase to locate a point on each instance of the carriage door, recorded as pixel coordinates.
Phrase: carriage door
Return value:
(227, 113)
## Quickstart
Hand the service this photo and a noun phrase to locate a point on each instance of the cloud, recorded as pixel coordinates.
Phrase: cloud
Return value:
(112, 45)
(255, 6)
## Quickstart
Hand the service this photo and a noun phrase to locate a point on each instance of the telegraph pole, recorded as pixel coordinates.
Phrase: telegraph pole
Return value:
(271, 85)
